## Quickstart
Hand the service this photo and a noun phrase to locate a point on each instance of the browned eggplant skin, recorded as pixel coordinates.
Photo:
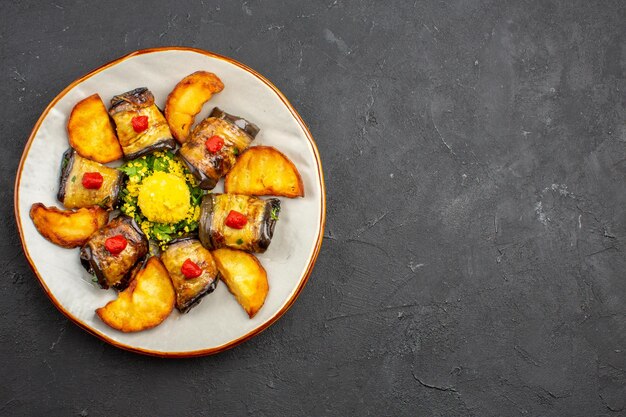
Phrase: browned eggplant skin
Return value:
(250, 128)
(67, 164)
(205, 231)
(138, 101)
(139, 97)
(204, 182)
(209, 167)
(214, 234)
(189, 292)
(115, 270)
(269, 223)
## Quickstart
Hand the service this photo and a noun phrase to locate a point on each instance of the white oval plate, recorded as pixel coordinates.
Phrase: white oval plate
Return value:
(218, 322)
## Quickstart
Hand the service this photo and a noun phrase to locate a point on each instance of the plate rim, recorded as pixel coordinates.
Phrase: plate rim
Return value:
(199, 352)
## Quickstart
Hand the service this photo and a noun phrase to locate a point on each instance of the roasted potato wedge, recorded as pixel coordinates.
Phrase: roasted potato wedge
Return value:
(263, 170)
(67, 228)
(186, 100)
(244, 276)
(91, 133)
(148, 300)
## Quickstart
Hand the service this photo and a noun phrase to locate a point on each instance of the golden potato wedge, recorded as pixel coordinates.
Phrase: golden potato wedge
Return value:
(91, 133)
(186, 100)
(263, 170)
(148, 300)
(244, 276)
(68, 228)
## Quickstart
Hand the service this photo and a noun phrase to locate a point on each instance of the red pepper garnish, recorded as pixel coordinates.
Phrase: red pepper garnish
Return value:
(115, 244)
(214, 144)
(190, 269)
(92, 180)
(236, 220)
(140, 123)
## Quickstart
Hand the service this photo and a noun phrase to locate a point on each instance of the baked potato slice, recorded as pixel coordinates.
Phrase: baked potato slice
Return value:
(91, 133)
(186, 100)
(263, 170)
(244, 276)
(67, 228)
(148, 300)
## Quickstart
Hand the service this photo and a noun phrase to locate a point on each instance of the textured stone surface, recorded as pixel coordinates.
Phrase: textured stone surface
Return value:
(475, 159)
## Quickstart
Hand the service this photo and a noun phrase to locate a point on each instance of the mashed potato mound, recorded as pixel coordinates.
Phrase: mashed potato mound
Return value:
(164, 198)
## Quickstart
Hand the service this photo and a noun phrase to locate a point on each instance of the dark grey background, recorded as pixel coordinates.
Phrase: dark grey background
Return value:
(475, 162)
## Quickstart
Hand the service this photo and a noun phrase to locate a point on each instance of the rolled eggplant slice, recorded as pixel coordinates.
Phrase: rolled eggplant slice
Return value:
(250, 128)
(256, 234)
(135, 140)
(73, 194)
(115, 270)
(208, 167)
(189, 291)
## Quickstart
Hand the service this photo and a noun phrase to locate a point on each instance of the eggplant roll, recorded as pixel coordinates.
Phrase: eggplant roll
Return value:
(73, 194)
(136, 103)
(256, 234)
(189, 291)
(208, 167)
(115, 270)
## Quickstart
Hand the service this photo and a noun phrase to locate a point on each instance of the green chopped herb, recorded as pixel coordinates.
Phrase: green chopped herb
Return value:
(129, 169)
(104, 202)
(196, 195)
(150, 161)
(143, 167)
(274, 213)
(74, 178)
(235, 150)
(240, 241)
(163, 231)
(160, 165)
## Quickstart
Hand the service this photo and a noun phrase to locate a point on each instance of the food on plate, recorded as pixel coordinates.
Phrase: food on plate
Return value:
(113, 251)
(86, 183)
(237, 221)
(192, 270)
(250, 128)
(173, 240)
(186, 100)
(141, 128)
(91, 133)
(67, 228)
(244, 276)
(263, 170)
(148, 300)
(214, 145)
(162, 196)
